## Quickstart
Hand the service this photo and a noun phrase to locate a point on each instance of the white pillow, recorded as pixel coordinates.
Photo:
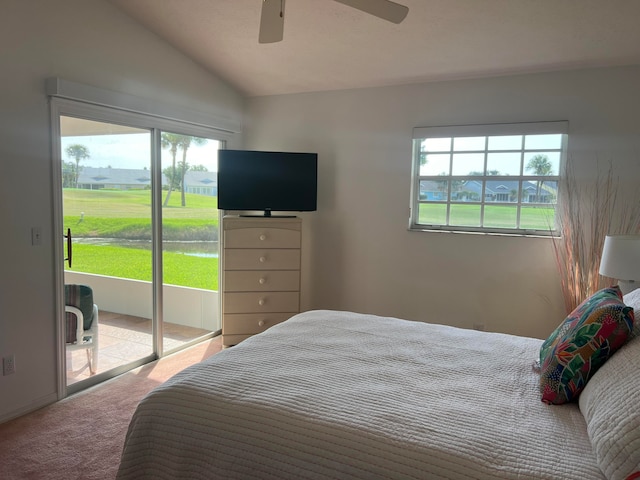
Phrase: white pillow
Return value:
(632, 299)
(610, 404)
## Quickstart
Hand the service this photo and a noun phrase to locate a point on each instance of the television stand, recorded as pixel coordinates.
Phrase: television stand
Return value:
(260, 263)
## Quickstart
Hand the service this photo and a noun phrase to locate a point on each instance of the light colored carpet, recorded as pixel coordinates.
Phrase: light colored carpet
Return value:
(81, 437)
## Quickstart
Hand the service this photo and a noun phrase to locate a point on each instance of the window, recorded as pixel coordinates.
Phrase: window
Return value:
(488, 178)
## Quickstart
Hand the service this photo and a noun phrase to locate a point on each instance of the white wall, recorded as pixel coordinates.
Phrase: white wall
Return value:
(85, 41)
(361, 256)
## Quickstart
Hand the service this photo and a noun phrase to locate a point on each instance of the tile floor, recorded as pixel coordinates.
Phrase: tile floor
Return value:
(123, 338)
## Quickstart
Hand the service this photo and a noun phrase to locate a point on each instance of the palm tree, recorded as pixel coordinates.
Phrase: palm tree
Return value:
(173, 141)
(184, 144)
(68, 174)
(78, 152)
(170, 141)
(540, 166)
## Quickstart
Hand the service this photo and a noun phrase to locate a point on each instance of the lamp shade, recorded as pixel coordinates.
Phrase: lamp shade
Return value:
(621, 257)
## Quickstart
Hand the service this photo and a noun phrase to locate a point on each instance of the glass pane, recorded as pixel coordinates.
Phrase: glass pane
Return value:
(537, 217)
(466, 191)
(468, 164)
(543, 142)
(549, 192)
(465, 215)
(434, 190)
(503, 191)
(505, 142)
(436, 145)
(547, 163)
(435, 164)
(503, 163)
(468, 144)
(529, 192)
(107, 204)
(500, 216)
(542, 191)
(190, 238)
(432, 214)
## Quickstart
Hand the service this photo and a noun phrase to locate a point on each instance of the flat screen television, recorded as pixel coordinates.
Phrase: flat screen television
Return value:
(252, 180)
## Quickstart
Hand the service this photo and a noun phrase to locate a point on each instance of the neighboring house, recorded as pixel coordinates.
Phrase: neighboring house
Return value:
(93, 178)
(433, 191)
(495, 191)
(201, 183)
(507, 190)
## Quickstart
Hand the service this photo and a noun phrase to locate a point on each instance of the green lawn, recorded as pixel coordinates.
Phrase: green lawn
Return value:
(134, 203)
(126, 214)
(205, 229)
(497, 216)
(135, 263)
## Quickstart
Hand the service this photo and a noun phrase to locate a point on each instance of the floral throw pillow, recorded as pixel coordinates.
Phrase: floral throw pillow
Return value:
(582, 343)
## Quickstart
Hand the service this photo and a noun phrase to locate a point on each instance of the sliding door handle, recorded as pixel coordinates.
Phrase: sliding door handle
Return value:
(69, 247)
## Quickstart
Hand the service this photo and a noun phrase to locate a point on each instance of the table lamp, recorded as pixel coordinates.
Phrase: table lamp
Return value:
(621, 260)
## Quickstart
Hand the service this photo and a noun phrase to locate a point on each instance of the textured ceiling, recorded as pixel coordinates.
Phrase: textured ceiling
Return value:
(329, 46)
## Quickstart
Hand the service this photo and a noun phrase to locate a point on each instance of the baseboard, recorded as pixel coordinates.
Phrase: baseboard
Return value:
(31, 407)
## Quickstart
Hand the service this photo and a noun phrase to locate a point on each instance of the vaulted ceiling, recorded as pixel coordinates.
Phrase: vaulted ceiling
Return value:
(330, 46)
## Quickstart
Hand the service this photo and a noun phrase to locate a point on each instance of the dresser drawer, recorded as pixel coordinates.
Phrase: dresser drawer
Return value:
(261, 238)
(260, 302)
(261, 280)
(251, 323)
(261, 259)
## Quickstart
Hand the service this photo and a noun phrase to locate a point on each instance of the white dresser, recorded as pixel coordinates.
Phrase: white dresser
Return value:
(260, 274)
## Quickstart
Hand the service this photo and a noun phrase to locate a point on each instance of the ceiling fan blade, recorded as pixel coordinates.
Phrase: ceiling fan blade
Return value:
(385, 9)
(271, 21)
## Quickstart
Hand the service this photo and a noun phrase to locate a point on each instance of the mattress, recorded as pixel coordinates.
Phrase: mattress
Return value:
(342, 395)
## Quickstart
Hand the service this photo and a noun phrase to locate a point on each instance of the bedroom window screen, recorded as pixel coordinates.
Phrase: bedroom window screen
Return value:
(499, 178)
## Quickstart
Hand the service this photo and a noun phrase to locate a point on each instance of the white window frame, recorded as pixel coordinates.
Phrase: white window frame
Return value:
(487, 130)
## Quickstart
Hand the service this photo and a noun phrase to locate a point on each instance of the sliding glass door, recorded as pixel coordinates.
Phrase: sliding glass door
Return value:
(106, 204)
(139, 217)
(189, 238)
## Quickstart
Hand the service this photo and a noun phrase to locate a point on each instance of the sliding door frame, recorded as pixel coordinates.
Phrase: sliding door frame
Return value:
(156, 125)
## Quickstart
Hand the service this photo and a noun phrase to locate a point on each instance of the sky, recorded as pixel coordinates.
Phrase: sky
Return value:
(133, 151)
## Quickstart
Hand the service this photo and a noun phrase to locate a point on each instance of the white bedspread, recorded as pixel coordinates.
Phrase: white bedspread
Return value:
(337, 395)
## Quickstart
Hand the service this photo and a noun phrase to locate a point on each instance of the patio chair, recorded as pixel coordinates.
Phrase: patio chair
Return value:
(82, 322)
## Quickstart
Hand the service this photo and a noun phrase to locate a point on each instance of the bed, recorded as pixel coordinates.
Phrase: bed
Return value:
(341, 395)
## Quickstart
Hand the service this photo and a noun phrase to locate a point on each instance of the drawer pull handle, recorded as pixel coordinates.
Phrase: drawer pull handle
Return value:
(263, 237)
(262, 281)
(263, 259)
(261, 301)
(261, 323)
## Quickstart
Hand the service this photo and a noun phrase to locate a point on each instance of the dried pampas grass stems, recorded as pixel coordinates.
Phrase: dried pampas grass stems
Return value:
(586, 214)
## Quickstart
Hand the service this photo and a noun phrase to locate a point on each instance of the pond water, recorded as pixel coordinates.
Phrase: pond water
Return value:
(195, 248)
